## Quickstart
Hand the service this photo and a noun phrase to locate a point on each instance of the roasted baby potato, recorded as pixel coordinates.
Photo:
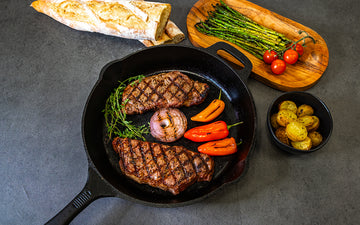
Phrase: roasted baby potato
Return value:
(306, 120)
(296, 131)
(316, 138)
(273, 121)
(296, 125)
(284, 117)
(306, 144)
(315, 125)
(304, 110)
(288, 105)
(280, 133)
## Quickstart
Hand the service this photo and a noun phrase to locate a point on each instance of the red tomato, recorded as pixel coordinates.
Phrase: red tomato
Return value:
(291, 56)
(269, 56)
(299, 48)
(278, 66)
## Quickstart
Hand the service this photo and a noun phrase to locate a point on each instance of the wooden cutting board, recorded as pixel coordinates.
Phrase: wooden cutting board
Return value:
(297, 77)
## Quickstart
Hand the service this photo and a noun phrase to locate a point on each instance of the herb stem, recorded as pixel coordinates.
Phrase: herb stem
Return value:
(115, 116)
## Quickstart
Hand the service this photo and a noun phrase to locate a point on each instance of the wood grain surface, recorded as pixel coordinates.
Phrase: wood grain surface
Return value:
(298, 77)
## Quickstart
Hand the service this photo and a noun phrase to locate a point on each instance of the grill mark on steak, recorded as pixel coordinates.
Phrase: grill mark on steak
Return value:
(181, 89)
(172, 89)
(170, 168)
(167, 174)
(143, 158)
(154, 158)
(186, 163)
(160, 167)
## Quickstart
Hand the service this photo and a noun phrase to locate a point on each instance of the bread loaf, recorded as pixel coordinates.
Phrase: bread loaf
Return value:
(121, 18)
(172, 35)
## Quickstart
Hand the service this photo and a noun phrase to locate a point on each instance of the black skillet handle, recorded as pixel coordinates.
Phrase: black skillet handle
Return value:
(243, 73)
(94, 188)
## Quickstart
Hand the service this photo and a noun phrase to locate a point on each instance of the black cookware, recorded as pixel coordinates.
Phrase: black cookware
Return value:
(320, 110)
(104, 176)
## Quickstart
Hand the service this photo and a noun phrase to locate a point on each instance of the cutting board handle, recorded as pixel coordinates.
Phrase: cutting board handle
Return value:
(244, 73)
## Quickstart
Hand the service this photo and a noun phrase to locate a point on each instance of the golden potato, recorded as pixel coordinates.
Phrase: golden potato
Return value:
(284, 117)
(316, 138)
(296, 131)
(288, 105)
(315, 125)
(280, 133)
(306, 120)
(302, 145)
(273, 121)
(304, 110)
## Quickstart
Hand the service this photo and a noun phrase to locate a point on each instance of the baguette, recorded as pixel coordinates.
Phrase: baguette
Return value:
(174, 32)
(172, 35)
(121, 18)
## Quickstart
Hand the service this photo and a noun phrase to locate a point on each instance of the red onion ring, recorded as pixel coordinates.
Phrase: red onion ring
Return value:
(168, 124)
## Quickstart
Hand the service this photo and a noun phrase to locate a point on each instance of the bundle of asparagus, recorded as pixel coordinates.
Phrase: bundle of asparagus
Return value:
(230, 25)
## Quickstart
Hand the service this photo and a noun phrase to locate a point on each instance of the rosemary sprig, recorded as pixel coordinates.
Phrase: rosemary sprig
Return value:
(230, 25)
(115, 116)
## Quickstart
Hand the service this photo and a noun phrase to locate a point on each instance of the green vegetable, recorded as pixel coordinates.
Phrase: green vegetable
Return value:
(230, 25)
(115, 116)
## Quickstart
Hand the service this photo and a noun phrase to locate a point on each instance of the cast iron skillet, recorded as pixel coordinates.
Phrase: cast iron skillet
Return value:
(104, 176)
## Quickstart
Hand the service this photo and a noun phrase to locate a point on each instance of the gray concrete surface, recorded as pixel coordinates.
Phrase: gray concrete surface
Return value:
(47, 71)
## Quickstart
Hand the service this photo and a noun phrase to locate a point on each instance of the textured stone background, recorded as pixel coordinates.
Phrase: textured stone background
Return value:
(47, 71)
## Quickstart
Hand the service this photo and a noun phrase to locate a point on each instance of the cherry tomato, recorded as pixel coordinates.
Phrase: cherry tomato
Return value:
(278, 66)
(269, 56)
(300, 49)
(291, 56)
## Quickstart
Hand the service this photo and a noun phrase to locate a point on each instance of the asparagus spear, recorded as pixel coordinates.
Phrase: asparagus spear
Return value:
(230, 25)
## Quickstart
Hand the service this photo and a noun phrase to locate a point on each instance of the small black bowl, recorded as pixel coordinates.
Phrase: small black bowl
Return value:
(320, 110)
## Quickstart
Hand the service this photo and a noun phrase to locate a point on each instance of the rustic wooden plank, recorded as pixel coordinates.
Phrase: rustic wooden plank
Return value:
(298, 77)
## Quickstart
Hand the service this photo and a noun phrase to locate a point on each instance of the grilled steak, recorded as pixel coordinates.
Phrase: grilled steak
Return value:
(170, 168)
(173, 89)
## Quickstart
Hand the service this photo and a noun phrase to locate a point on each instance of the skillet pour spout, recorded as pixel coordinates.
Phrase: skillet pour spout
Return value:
(105, 178)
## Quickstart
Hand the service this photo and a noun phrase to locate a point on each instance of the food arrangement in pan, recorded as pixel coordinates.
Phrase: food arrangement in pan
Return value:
(170, 168)
(156, 126)
(164, 162)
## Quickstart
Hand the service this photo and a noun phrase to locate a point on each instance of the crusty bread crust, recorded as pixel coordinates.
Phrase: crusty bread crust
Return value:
(172, 35)
(174, 32)
(121, 18)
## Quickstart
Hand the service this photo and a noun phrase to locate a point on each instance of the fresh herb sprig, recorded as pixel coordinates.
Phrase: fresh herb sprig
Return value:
(115, 116)
(230, 25)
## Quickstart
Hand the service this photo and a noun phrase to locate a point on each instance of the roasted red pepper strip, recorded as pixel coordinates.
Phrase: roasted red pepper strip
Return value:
(225, 146)
(214, 109)
(209, 132)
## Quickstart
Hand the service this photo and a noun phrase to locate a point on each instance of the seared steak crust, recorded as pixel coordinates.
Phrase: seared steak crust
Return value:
(164, 90)
(170, 168)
